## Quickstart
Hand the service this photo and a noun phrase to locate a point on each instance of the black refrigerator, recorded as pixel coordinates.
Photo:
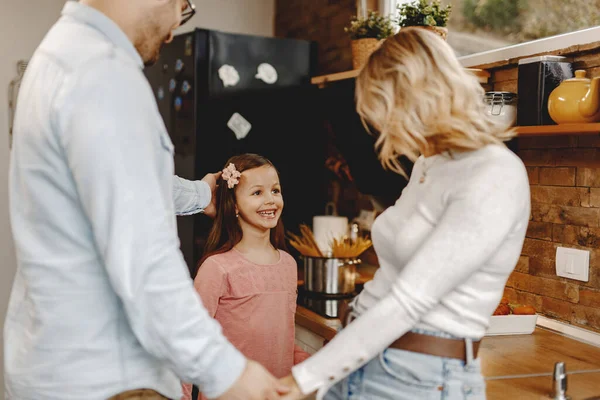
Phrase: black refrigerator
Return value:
(223, 94)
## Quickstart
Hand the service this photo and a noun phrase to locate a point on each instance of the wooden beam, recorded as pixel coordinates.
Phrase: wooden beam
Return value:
(481, 74)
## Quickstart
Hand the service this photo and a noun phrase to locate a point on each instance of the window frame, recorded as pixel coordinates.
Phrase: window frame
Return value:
(520, 50)
(525, 49)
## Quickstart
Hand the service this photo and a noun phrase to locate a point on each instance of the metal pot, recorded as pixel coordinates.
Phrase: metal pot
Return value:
(330, 275)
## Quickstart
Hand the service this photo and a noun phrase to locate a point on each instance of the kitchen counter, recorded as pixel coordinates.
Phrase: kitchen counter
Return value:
(506, 356)
(313, 322)
(326, 328)
(503, 357)
(584, 386)
(536, 353)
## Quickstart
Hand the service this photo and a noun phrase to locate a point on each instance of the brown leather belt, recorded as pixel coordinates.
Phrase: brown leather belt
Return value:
(139, 394)
(435, 346)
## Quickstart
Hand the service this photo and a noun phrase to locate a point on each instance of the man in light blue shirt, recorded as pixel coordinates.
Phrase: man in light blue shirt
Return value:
(102, 302)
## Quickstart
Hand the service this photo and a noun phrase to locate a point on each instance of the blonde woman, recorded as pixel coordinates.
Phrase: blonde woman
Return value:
(446, 248)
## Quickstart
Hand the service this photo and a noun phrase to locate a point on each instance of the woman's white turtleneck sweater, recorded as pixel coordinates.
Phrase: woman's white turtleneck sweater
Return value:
(446, 250)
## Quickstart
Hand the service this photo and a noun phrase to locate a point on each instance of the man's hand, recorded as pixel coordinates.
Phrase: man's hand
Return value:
(295, 393)
(255, 383)
(211, 180)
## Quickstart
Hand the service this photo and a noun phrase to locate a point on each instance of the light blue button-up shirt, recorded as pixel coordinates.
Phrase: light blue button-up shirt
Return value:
(102, 300)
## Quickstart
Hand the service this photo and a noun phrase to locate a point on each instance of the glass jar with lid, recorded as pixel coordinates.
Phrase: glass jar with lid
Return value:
(502, 105)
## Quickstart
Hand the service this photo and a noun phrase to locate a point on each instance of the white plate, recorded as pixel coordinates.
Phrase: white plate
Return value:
(511, 325)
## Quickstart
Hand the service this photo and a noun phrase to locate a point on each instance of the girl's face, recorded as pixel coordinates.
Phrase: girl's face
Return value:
(259, 200)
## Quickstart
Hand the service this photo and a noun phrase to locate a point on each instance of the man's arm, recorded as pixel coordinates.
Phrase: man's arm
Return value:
(113, 146)
(190, 197)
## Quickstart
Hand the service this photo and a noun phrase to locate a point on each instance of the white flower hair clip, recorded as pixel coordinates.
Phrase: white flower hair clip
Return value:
(231, 175)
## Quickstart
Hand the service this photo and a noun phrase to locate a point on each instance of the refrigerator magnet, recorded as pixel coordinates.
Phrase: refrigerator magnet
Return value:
(188, 46)
(185, 87)
(229, 75)
(267, 73)
(178, 104)
(239, 125)
(179, 65)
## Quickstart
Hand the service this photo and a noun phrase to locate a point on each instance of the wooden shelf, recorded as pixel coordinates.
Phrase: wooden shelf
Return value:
(481, 74)
(564, 129)
(319, 80)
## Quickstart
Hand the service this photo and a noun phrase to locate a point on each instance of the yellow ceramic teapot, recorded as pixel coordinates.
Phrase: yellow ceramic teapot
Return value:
(575, 100)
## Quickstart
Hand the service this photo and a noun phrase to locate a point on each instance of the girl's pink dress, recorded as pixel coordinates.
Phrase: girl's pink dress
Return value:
(255, 305)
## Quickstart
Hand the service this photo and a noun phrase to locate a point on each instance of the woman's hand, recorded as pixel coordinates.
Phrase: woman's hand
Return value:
(256, 383)
(294, 393)
(344, 311)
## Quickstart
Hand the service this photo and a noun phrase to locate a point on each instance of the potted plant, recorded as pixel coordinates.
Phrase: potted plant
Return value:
(425, 14)
(367, 34)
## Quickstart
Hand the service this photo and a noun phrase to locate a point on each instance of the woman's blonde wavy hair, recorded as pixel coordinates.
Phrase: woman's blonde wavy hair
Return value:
(415, 93)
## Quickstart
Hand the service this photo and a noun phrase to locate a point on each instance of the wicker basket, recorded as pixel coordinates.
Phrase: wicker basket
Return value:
(443, 32)
(362, 49)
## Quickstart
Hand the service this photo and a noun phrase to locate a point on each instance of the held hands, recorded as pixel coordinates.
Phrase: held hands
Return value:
(344, 310)
(256, 383)
(211, 180)
(294, 393)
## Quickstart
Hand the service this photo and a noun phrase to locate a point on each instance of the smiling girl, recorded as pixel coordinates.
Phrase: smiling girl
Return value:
(246, 280)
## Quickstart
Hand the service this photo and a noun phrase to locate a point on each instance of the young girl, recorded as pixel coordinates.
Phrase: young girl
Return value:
(246, 280)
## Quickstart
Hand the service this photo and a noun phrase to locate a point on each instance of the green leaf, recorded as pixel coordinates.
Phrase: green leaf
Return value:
(423, 12)
(374, 26)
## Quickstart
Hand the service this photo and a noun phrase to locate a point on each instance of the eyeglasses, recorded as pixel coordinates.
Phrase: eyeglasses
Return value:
(188, 13)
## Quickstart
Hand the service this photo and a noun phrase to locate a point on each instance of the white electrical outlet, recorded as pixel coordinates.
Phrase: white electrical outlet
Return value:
(573, 263)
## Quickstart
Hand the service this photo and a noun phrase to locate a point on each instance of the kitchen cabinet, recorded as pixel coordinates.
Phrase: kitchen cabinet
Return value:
(308, 340)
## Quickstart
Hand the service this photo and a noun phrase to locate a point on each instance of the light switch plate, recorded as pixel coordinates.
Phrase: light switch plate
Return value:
(573, 263)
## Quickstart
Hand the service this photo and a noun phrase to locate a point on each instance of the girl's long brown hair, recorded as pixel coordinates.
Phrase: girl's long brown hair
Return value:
(226, 231)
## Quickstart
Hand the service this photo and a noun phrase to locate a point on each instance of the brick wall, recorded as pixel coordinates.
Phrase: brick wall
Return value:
(321, 21)
(564, 173)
